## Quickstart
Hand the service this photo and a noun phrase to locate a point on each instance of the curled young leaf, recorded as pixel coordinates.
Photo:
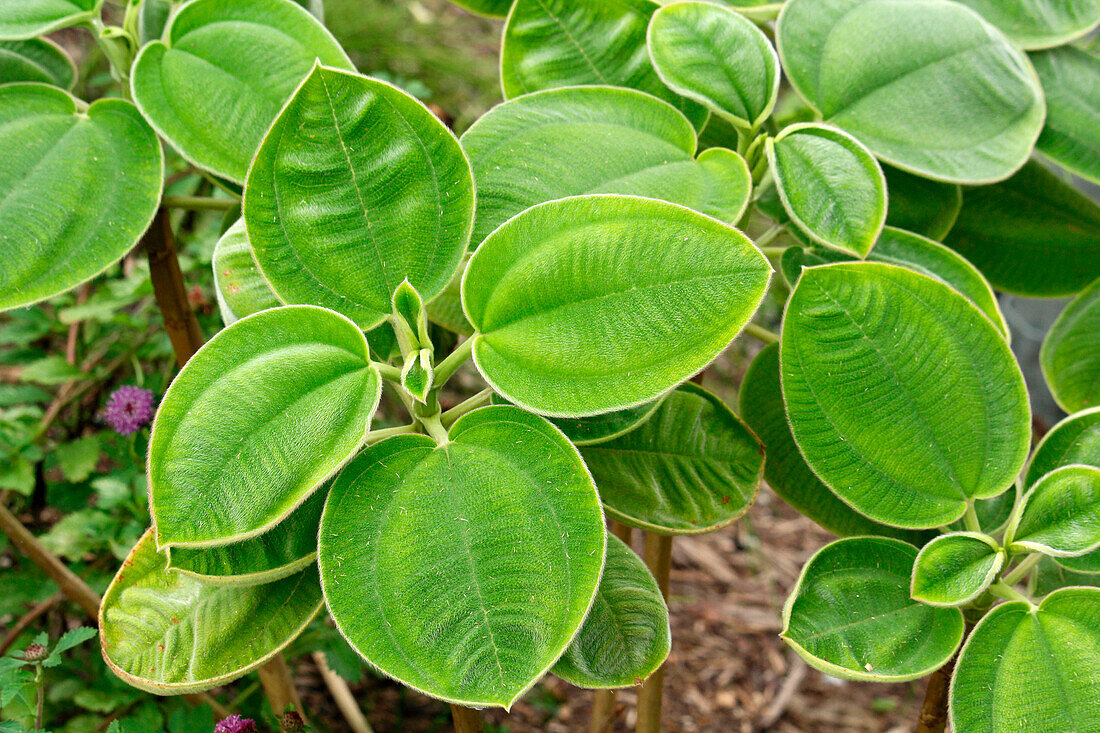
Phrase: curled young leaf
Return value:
(830, 185)
(78, 188)
(36, 59)
(598, 303)
(597, 139)
(955, 568)
(1019, 654)
(626, 635)
(691, 468)
(1060, 514)
(851, 615)
(1071, 83)
(717, 57)
(1070, 356)
(558, 43)
(927, 85)
(170, 634)
(357, 187)
(258, 418)
(214, 84)
(464, 570)
(901, 394)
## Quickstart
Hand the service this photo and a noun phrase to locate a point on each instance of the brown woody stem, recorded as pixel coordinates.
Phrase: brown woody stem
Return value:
(279, 686)
(933, 712)
(466, 720)
(169, 289)
(658, 557)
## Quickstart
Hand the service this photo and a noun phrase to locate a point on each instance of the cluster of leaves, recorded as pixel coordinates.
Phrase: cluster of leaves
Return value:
(581, 237)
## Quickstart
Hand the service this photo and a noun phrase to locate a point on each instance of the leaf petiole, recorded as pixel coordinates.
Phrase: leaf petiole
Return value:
(446, 368)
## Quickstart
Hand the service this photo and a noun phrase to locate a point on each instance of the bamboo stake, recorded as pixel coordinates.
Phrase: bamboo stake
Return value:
(342, 695)
(466, 720)
(279, 686)
(658, 557)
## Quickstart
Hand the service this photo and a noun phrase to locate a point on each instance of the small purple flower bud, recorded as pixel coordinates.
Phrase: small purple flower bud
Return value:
(34, 653)
(235, 724)
(128, 408)
(292, 722)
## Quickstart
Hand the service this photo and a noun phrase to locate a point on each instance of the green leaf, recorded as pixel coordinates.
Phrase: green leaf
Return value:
(954, 569)
(626, 635)
(1070, 356)
(921, 205)
(1060, 514)
(215, 83)
(636, 295)
(72, 638)
(357, 187)
(259, 417)
(465, 594)
(716, 57)
(917, 253)
(283, 550)
(239, 285)
(691, 468)
(51, 370)
(21, 19)
(418, 375)
(36, 59)
(1074, 440)
(901, 394)
(410, 320)
(927, 85)
(1033, 234)
(169, 634)
(565, 142)
(1040, 23)
(1028, 668)
(850, 615)
(489, 8)
(785, 469)
(78, 458)
(831, 186)
(78, 188)
(446, 309)
(601, 428)
(1071, 83)
(559, 43)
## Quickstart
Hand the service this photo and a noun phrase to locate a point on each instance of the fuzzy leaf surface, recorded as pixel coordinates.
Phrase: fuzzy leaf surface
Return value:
(240, 288)
(1070, 356)
(1061, 514)
(955, 568)
(36, 59)
(1071, 83)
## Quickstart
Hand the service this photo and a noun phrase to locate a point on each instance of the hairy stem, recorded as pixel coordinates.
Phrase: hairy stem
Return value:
(1018, 573)
(658, 558)
(933, 712)
(199, 203)
(481, 398)
(388, 371)
(970, 519)
(342, 695)
(466, 720)
(761, 333)
(169, 289)
(446, 368)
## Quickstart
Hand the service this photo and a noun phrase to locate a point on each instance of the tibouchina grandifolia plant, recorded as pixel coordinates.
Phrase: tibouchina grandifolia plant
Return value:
(598, 239)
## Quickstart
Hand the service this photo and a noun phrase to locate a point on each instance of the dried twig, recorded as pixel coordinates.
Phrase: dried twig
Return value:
(340, 692)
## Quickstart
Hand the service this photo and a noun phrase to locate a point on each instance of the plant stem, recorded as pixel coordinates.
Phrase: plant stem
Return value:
(970, 519)
(388, 371)
(375, 436)
(933, 711)
(1025, 566)
(1007, 592)
(769, 235)
(658, 558)
(279, 686)
(469, 405)
(169, 289)
(435, 428)
(761, 333)
(26, 620)
(40, 702)
(446, 368)
(199, 203)
(466, 720)
(770, 252)
(603, 701)
(342, 695)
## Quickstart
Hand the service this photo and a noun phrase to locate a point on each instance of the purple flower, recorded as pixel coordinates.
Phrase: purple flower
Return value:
(128, 408)
(236, 724)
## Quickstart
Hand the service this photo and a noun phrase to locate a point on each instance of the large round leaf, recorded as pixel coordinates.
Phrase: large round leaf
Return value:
(261, 415)
(29, 18)
(356, 188)
(1070, 356)
(37, 59)
(1071, 83)
(238, 284)
(717, 57)
(597, 303)
(785, 469)
(169, 634)
(830, 185)
(903, 397)
(850, 615)
(1074, 440)
(223, 71)
(691, 468)
(1032, 669)
(626, 635)
(1040, 23)
(564, 142)
(954, 569)
(464, 570)
(1033, 234)
(928, 85)
(1060, 514)
(559, 43)
(600, 428)
(78, 187)
(281, 551)
(921, 205)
